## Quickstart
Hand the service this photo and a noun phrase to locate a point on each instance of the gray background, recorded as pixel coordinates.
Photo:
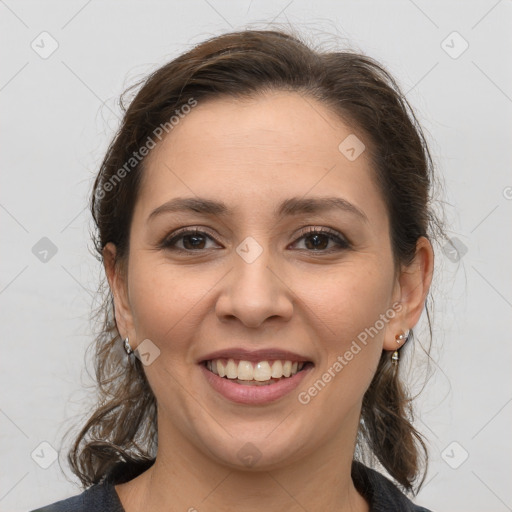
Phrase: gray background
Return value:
(58, 114)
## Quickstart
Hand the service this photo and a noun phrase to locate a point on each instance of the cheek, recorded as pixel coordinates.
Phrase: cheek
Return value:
(349, 299)
(348, 308)
(163, 302)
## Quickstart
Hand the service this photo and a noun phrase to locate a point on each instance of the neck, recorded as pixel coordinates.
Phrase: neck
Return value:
(185, 479)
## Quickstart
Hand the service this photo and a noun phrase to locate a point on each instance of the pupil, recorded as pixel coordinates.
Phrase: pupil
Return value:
(316, 243)
(196, 238)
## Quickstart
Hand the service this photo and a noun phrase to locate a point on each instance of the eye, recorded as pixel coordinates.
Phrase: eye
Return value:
(192, 240)
(317, 240)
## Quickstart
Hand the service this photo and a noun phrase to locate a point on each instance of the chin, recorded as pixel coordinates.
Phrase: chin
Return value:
(257, 450)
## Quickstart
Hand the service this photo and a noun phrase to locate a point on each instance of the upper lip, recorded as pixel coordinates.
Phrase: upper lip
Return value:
(255, 355)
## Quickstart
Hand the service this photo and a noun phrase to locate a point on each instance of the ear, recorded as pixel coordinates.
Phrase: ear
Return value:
(118, 286)
(412, 288)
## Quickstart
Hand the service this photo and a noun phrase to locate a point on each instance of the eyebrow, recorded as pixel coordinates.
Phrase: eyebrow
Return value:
(289, 207)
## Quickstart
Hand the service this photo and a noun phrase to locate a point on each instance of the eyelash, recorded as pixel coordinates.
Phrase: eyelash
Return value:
(343, 244)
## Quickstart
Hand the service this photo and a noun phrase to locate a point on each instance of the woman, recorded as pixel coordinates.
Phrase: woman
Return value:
(264, 223)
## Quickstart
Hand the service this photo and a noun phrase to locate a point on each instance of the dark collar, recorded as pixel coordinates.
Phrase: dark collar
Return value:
(381, 494)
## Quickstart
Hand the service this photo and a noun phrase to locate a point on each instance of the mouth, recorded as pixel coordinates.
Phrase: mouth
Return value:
(254, 378)
(255, 373)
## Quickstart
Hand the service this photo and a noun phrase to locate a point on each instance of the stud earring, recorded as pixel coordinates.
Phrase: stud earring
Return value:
(127, 346)
(402, 337)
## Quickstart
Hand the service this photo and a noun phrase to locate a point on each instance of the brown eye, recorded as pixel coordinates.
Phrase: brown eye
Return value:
(192, 240)
(317, 240)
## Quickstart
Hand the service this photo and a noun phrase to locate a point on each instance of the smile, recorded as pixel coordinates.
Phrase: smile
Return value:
(254, 382)
(254, 373)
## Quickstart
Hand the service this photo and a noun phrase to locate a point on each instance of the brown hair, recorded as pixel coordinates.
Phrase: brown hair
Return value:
(123, 426)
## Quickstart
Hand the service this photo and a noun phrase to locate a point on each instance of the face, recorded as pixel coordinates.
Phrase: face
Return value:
(264, 279)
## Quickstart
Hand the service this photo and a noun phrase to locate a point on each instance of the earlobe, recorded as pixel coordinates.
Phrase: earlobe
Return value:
(413, 286)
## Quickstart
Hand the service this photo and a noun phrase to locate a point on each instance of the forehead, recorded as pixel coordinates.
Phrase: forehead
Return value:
(256, 152)
(273, 127)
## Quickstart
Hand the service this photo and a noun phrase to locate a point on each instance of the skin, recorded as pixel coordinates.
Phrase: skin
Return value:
(253, 154)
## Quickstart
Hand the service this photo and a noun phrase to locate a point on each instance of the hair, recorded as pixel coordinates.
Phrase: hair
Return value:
(122, 430)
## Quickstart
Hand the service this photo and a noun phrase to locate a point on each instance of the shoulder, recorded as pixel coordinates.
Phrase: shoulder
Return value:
(382, 494)
(100, 497)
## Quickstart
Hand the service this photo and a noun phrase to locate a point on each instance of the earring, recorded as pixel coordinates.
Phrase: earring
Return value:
(402, 337)
(127, 346)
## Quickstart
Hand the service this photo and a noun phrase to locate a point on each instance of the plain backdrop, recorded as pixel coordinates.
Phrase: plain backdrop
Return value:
(64, 65)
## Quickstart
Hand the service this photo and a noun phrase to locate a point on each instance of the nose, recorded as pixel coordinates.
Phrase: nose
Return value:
(255, 292)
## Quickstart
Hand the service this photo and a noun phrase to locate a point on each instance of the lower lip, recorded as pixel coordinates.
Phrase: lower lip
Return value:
(247, 394)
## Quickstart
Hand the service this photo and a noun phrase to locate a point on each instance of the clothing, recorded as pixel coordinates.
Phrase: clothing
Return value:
(381, 494)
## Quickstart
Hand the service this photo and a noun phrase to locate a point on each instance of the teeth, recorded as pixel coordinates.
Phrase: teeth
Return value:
(220, 369)
(261, 371)
(231, 369)
(277, 370)
(245, 370)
